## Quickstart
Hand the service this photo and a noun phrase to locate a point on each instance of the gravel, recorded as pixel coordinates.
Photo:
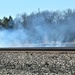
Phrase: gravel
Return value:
(37, 63)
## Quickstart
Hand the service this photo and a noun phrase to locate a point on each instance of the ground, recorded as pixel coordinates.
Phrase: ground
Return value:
(37, 63)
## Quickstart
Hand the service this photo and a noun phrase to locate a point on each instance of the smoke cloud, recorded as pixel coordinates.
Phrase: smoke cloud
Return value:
(44, 29)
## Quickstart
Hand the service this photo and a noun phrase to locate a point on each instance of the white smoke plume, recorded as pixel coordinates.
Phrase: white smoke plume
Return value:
(45, 29)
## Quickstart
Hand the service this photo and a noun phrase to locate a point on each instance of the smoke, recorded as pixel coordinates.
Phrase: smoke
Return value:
(38, 32)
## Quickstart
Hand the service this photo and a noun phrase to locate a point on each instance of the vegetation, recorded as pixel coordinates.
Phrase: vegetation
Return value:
(55, 17)
(5, 22)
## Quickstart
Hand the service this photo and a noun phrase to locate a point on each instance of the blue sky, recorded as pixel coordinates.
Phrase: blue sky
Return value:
(14, 7)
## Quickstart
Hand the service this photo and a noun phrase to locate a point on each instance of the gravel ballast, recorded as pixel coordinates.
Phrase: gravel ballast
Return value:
(37, 63)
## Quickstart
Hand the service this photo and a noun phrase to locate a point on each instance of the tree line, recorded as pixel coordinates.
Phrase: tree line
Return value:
(55, 17)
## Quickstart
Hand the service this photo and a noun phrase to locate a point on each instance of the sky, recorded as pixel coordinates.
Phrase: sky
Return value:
(14, 7)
